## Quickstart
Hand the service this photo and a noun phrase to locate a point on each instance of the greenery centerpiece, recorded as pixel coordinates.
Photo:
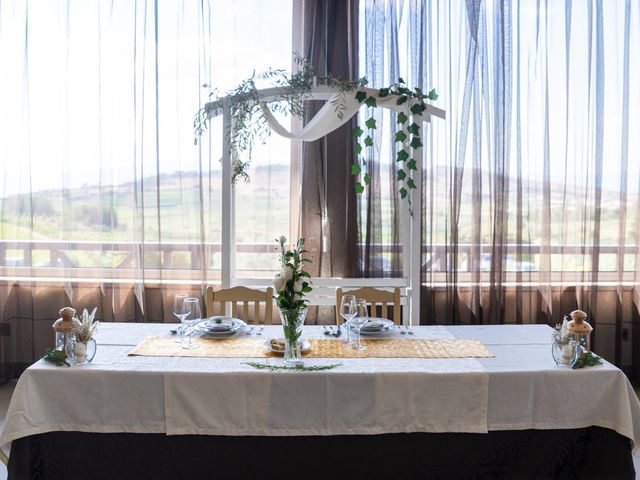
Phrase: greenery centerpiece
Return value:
(291, 284)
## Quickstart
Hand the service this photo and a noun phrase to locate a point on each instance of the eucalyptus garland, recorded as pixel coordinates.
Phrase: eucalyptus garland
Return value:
(274, 368)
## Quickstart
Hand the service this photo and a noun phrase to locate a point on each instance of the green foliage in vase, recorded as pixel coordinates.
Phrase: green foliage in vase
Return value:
(292, 282)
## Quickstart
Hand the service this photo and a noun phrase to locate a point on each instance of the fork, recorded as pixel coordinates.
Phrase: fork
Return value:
(249, 330)
(260, 330)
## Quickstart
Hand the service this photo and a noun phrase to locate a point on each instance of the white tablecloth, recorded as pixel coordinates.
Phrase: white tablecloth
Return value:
(520, 388)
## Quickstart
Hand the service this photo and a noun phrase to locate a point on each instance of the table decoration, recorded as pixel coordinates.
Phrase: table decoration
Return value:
(156, 346)
(56, 357)
(588, 359)
(564, 348)
(291, 284)
(64, 328)
(301, 368)
(580, 330)
(83, 346)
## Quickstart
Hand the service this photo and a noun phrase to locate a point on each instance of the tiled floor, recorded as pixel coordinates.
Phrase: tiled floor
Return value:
(7, 390)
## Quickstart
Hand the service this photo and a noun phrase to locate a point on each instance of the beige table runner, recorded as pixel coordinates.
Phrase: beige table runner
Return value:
(379, 348)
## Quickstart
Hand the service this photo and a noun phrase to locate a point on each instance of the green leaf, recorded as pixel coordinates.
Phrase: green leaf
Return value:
(411, 165)
(361, 95)
(400, 80)
(432, 95)
(355, 169)
(402, 156)
(306, 289)
(356, 132)
(358, 149)
(401, 174)
(400, 136)
(383, 92)
(401, 100)
(402, 118)
(370, 123)
(403, 192)
(411, 183)
(418, 91)
(417, 108)
(371, 102)
(362, 81)
(358, 187)
(415, 143)
(368, 142)
(367, 179)
(414, 129)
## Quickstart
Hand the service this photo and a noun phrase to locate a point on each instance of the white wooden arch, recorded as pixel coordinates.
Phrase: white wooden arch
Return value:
(411, 224)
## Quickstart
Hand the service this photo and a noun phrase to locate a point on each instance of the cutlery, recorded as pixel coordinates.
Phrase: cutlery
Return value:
(409, 331)
(260, 330)
(402, 330)
(338, 332)
(248, 330)
(326, 330)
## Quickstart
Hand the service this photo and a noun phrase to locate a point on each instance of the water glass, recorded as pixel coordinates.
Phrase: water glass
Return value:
(190, 315)
(358, 321)
(348, 311)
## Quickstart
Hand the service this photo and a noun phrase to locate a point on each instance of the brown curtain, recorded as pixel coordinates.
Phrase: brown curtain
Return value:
(327, 37)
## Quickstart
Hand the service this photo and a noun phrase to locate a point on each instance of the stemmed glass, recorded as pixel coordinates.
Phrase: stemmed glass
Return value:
(348, 311)
(358, 321)
(178, 301)
(191, 314)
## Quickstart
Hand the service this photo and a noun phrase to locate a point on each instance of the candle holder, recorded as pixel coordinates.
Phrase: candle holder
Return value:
(65, 328)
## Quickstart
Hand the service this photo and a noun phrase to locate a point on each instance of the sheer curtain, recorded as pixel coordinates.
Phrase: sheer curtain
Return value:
(104, 199)
(531, 184)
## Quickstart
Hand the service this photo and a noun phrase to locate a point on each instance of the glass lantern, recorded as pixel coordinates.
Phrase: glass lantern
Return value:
(580, 330)
(64, 328)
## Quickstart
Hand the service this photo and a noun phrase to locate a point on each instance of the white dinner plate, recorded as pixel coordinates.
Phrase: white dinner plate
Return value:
(230, 327)
(377, 326)
(304, 347)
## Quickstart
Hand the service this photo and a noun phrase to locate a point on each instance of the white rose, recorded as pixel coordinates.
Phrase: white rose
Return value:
(279, 282)
(287, 273)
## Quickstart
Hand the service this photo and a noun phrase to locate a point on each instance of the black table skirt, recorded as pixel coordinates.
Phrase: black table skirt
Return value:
(588, 453)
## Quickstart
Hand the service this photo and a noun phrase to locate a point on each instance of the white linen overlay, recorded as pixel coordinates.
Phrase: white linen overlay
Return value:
(520, 388)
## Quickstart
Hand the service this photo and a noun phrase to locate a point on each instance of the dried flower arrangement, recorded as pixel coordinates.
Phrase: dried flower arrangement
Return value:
(87, 327)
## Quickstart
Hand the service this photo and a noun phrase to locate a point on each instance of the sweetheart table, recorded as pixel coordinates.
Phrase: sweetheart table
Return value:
(514, 415)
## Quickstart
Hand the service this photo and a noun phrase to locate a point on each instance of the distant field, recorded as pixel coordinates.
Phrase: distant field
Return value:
(174, 214)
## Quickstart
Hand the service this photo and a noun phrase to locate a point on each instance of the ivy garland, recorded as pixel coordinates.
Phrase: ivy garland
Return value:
(248, 123)
(408, 135)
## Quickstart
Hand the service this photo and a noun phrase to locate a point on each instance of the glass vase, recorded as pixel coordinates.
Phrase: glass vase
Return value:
(565, 354)
(292, 322)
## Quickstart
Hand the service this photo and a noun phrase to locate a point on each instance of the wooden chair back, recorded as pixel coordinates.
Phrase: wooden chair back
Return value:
(383, 300)
(242, 299)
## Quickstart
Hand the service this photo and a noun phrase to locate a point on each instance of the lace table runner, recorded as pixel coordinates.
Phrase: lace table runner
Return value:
(379, 348)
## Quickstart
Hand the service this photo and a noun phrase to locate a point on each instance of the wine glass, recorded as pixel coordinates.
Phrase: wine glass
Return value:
(191, 314)
(178, 301)
(358, 321)
(348, 311)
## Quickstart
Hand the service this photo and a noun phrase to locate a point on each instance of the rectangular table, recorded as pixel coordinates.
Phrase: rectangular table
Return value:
(407, 403)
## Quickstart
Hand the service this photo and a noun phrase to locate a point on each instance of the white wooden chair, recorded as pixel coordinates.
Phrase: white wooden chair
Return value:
(241, 299)
(387, 302)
